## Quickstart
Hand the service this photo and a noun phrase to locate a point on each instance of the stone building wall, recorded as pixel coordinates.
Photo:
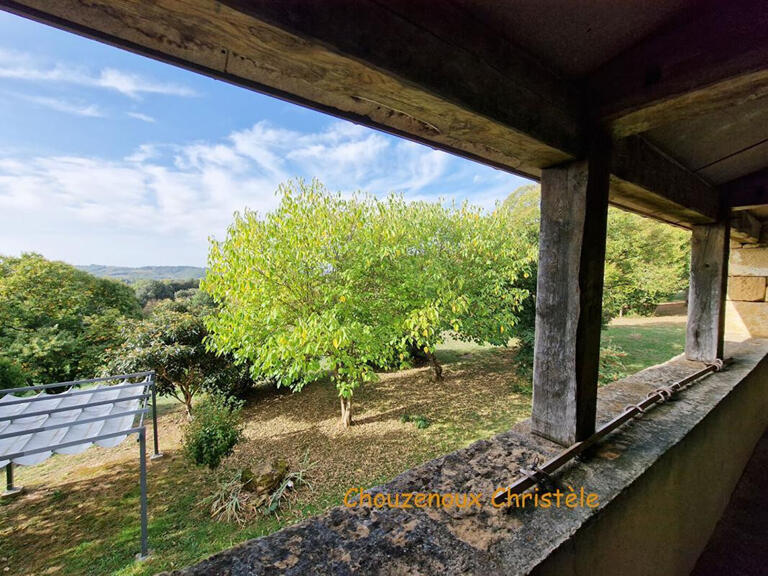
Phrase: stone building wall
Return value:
(747, 305)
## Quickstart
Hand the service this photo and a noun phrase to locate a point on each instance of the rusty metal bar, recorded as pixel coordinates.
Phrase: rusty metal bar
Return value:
(535, 474)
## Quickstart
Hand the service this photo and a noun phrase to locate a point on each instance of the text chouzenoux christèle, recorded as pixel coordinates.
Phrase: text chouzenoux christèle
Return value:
(567, 498)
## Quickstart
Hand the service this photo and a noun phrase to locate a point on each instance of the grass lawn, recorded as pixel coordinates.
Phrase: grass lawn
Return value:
(646, 341)
(80, 513)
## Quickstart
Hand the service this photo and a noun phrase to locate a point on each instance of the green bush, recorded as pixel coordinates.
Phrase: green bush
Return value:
(418, 420)
(213, 433)
(11, 374)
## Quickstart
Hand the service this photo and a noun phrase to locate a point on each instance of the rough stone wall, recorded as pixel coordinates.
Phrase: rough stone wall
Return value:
(747, 306)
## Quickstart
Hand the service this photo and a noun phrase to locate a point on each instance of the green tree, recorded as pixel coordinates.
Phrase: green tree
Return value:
(155, 290)
(11, 374)
(464, 274)
(646, 262)
(171, 341)
(305, 291)
(56, 321)
(522, 208)
(342, 286)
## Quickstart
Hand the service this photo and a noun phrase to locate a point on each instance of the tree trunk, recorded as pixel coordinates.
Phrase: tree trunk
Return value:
(346, 412)
(437, 370)
(187, 400)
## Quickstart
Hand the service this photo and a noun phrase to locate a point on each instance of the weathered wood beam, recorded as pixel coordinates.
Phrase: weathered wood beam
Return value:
(706, 296)
(746, 192)
(356, 59)
(745, 227)
(647, 181)
(574, 208)
(711, 56)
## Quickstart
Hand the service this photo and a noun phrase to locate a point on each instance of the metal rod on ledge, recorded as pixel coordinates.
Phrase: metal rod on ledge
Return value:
(659, 396)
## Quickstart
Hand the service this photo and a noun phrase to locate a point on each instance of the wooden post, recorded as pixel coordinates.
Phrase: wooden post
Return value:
(574, 212)
(706, 296)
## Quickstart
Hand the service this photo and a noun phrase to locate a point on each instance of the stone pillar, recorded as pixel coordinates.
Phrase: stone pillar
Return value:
(574, 211)
(706, 296)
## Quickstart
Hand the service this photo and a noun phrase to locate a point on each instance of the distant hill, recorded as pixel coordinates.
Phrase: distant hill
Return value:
(130, 275)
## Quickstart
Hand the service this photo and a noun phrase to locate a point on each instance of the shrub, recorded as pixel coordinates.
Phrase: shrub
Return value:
(418, 420)
(213, 433)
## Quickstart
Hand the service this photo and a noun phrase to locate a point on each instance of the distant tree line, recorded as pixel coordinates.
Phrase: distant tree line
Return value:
(58, 323)
(155, 290)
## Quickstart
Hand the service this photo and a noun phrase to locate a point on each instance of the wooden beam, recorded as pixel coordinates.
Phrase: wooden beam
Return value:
(706, 296)
(574, 208)
(749, 191)
(647, 181)
(711, 56)
(356, 59)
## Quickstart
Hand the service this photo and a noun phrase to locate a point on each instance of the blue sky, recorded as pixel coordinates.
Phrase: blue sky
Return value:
(111, 158)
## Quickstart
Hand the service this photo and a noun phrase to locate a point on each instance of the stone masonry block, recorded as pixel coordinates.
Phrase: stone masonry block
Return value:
(746, 288)
(749, 261)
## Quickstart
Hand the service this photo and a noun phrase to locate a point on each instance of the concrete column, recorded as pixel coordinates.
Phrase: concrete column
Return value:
(574, 210)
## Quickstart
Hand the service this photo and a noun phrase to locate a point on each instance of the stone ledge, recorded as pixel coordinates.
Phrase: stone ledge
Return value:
(485, 541)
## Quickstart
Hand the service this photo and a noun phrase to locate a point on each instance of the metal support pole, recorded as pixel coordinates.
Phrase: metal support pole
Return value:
(143, 484)
(153, 384)
(10, 489)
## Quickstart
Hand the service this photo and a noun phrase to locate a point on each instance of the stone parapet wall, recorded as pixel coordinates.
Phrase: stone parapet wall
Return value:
(747, 306)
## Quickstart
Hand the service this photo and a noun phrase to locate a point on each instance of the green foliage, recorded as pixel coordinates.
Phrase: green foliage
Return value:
(328, 284)
(213, 433)
(57, 321)
(418, 420)
(522, 210)
(171, 341)
(464, 274)
(154, 290)
(307, 289)
(11, 374)
(646, 262)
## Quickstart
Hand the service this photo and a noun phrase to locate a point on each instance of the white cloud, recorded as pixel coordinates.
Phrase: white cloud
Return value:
(161, 203)
(22, 66)
(60, 105)
(142, 117)
(134, 85)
